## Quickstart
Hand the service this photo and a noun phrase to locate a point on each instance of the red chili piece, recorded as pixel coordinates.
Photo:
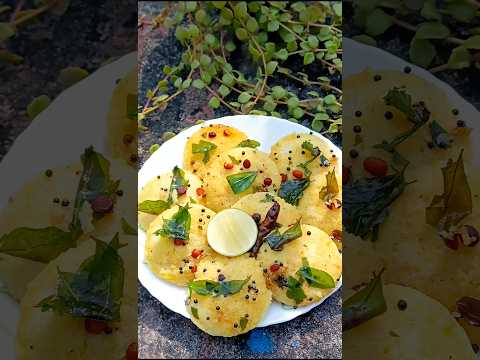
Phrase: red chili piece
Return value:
(375, 166)
(200, 192)
(132, 352)
(345, 175)
(247, 164)
(196, 253)
(212, 134)
(227, 132)
(96, 327)
(179, 242)
(194, 269)
(228, 166)
(267, 181)
(274, 267)
(284, 177)
(337, 235)
(297, 174)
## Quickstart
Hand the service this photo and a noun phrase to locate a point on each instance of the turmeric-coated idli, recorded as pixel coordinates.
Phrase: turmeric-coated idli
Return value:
(206, 144)
(236, 173)
(303, 270)
(229, 296)
(176, 241)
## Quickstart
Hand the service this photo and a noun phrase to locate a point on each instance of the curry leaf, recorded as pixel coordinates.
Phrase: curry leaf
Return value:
(331, 188)
(364, 304)
(440, 136)
(292, 190)
(42, 245)
(95, 290)
(241, 181)
(295, 290)
(127, 228)
(249, 143)
(153, 207)
(178, 227)
(314, 277)
(203, 147)
(276, 240)
(456, 201)
(243, 323)
(214, 288)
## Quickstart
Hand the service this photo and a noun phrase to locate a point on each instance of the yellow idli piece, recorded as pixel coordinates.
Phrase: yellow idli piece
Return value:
(315, 211)
(47, 335)
(175, 263)
(287, 153)
(122, 119)
(219, 193)
(158, 189)
(222, 136)
(43, 201)
(317, 248)
(261, 202)
(236, 313)
(423, 330)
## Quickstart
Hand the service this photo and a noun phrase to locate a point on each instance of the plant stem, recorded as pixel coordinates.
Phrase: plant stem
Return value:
(439, 68)
(33, 13)
(405, 25)
(291, 31)
(217, 95)
(316, 25)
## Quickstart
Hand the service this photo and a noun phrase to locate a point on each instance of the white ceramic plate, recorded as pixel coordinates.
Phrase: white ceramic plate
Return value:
(267, 130)
(74, 116)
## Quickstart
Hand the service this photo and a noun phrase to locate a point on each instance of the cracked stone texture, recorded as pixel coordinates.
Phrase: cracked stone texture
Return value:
(165, 334)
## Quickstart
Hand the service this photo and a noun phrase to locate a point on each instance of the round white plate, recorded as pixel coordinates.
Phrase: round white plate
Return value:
(267, 130)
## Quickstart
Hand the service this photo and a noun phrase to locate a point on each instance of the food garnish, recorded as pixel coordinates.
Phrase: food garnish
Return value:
(241, 181)
(365, 304)
(276, 240)
(203, 147)
(314, 277)
(266, 226)
(249, 143)
(95, 290)
(214, 288)
(178, 227)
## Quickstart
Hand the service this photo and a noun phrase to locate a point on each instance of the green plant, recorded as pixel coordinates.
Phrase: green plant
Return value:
(454, 24)
(271, 36)
(19, 16)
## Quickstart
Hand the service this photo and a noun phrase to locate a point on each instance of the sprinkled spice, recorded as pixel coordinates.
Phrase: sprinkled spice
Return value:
(65, 203)
(247, 164)
(460, 123)
(227, 132)
(119, 192)
(196, 253)
(357, 129)
(247, 296)
(274, 267)
(218, 308)
(178, 242)
(377, 77)
(297, 174)
(284, 177)
(358, 113)
(200, 192)
(48, 173)
(402, 305)
(309, 233)
(212, 134)
(56, 200)
(388, 115)
(267, 181)
(455, 112)
(221, 277)
(235, 325)
(353, 153)
(407, 69)
(228, 166)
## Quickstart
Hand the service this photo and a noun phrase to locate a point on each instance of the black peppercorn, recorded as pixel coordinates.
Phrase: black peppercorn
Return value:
(402, 305)
(388, 115)
(353, 153)
(357, 129)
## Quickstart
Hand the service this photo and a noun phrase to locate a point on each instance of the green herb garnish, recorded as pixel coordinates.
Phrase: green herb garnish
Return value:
(203, 147)
(178, 227)
(178, 180)
(243, 323)
(331, 189)
(295, 290)
(194, 312)
(364, 304)
(314, 277)
(153, 207)
(214, 288)
(95, 290)
(127, 228)
(456, 201)
(417, 114)
(234, 161)
(241, 181)
(314, 150)
(268, 198)
(249, 143)
(440, 137)
(366, 202)
(292, 190)
(276, 240)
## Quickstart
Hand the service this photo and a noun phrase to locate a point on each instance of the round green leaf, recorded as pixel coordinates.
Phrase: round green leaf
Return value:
(205, 60)
(378, 22)
(153, 148)
(252, 25)
(273, 25)
(228, 79)
(271, 67)
(282, 54)
(244, 97)
(210, 39)
(224, 90)
(432, 30)
(317, 125)
(312, 41)
(329, 99)
(462, 11)
(293, 102)
(214, 103)
(422, 52)
(230, 46)
(297, 113)
(278, 92)
(72, 75)
(365, 39)
(198, 84)
(460, 58)
(308, 58)
(472, 43)
(269, 106)
(37, 105)
(241, 34)
(6, 31)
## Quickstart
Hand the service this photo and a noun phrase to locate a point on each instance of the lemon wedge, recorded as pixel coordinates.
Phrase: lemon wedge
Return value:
(232, 232)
